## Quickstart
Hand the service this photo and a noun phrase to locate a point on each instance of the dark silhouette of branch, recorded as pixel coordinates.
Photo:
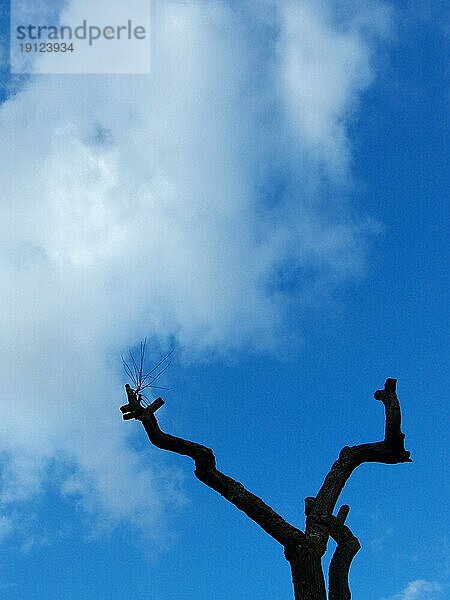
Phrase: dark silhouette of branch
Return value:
(207, 473)
(389, 451)
(347, 546)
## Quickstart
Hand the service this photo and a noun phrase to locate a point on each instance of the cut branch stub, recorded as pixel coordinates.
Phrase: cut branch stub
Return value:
(343, 513)
(134, 410)
(309, 503)
(393, 435)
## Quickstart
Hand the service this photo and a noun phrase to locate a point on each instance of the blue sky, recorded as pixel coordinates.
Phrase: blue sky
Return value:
(272, 201)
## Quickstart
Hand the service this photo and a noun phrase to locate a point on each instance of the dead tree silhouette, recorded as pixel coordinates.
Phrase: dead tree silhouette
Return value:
(303, 549)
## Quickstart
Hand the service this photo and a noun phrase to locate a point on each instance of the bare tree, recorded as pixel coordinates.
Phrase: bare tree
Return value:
(303, 549)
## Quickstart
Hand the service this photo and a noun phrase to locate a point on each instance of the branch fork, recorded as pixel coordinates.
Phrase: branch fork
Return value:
(303, 550)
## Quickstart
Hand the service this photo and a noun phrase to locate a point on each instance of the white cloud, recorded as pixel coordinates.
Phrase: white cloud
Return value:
(420, 589)
(132, 206)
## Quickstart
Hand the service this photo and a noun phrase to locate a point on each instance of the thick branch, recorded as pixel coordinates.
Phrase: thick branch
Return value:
(206, 472)
(389, 451)
(346, 550)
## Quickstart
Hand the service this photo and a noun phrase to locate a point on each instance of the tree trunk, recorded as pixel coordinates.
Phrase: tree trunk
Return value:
(307, 573)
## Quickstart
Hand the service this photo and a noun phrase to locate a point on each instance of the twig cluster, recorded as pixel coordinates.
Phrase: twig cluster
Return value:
(145, 380)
